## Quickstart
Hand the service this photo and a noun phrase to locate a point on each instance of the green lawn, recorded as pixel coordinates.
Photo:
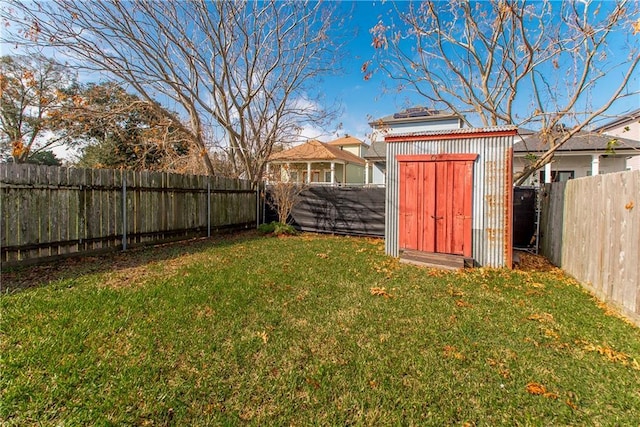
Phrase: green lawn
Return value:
(308, 330)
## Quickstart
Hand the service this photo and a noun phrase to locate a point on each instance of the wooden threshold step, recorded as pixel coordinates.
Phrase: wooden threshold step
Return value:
(435, 260)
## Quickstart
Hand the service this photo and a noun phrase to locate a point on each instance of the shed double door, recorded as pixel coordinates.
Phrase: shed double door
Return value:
(436, 203)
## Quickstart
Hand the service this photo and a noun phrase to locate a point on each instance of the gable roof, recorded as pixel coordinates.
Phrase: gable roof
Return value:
(346, 140)
(316, 151)
(377, 151)
(582, 141)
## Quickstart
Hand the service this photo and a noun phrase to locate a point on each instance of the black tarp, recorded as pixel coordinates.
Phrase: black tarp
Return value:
(356, 211)
(524, 217)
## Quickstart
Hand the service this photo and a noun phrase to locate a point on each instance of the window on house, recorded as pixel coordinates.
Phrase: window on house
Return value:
(327, 176)
(315, 176)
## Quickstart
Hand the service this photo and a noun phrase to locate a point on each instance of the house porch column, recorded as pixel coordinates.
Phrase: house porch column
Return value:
(366, 172)
(308, 172)
(547, 173)
(595, 164)
(333, 172)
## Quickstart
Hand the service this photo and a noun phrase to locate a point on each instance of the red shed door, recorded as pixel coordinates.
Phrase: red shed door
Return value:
(436, 203)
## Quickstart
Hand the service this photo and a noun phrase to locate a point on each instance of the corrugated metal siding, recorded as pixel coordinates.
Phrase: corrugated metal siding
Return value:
(492, 176)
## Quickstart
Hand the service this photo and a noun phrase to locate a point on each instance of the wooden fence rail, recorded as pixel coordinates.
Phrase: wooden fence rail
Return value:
(591, 229)
(48, 211)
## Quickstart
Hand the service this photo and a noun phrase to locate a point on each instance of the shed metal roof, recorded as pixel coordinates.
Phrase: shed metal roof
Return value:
(453, 132)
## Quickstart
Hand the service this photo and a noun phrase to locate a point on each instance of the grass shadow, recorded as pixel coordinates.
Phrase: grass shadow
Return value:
(15, 279)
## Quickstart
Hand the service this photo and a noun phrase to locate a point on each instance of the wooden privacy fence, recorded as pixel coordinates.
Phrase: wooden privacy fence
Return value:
(48, 211)
(591, 229)
(551, 220)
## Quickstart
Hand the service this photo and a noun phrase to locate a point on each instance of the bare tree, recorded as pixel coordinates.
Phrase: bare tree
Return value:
(242, 73)
(552, 66)
(30, 94)
(284, 193)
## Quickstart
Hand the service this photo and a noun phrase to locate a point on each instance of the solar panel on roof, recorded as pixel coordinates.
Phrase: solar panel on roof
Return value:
(415, 112)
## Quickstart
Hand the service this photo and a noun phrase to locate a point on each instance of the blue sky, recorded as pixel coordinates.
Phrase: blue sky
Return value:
(363, 100)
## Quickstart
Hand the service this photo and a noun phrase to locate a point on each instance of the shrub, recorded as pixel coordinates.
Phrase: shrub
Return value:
(277, 229)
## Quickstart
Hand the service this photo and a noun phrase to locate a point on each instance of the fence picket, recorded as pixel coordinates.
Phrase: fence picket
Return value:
(599, 240)
(53, 211)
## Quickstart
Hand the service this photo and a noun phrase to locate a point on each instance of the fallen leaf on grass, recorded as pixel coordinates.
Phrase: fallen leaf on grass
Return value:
(535, 388)
(455, 292)
(502, 369)
(571, 405)
(461, 303)
(437, 272)
(544, 317)
(505, 373)
(452, 352)
(264, 336)
(382, 292)
(540, 390)
(323, 256)
(611, 311)
(608, 311)
(550, 333)
(532, 341)
(609, 353)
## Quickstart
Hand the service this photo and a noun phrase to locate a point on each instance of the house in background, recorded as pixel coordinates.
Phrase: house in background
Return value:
(351, 144)
(626, 126)
(585, 154)
(411, 120)
(376, 158)
(316, 162)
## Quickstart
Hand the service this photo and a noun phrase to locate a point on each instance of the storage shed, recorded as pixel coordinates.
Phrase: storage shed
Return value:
(449, 196)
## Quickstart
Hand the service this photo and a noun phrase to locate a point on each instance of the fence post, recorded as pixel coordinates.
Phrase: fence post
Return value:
(264, 206)
(258, 205)
(124, 210)
(208, 206)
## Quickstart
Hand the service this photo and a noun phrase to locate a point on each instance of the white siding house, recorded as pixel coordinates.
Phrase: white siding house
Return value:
(585, 154)
(627, 126)
(411, 120)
